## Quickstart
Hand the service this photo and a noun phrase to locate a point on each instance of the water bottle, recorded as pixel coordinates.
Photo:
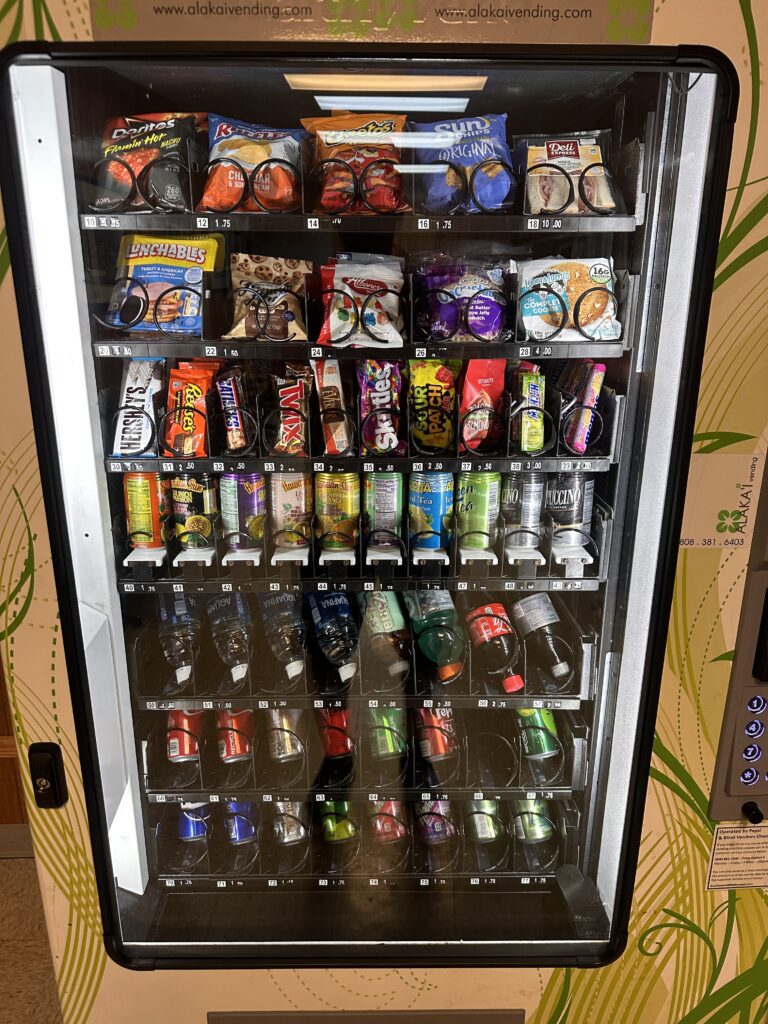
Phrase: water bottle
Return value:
(439, 636)
(179, 631)
(336, 630)
(230, 622)
(284, 629)
(385, 635)
(537, 623)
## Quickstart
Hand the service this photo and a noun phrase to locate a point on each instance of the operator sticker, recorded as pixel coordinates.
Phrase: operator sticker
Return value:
(739, 858)
(721, 500)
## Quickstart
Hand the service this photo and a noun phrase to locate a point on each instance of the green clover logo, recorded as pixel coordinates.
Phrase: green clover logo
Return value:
(728, 521)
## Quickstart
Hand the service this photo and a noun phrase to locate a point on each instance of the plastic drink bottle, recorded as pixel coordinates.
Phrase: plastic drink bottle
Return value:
(536, 621)
(439, 636)
(284, 629)
(179, 632)
(335, 629)
(230, 621)
(384, 632)
(495, 648)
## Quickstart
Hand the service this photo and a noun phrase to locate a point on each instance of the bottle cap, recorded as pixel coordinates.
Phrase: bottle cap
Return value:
(183, 673)
(294, 669)
(398, 668)
(347, 671)
(512, 683)
(239, 672)
(447, 673)
(562, 668)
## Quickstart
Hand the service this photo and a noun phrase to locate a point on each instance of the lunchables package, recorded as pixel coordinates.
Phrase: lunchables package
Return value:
(472, 164)
(358, 156)
(432, 400)
(159, 283)
(568, 299)
(361, 302)
(268, 293)
(145, 162)
(242, 147)
(565, 174)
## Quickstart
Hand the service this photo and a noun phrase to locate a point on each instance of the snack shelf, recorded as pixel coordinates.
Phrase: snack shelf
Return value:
(403, 883)
(545, 464)
(485, 584)
(459, 224)
(566, 702)
(251, 348)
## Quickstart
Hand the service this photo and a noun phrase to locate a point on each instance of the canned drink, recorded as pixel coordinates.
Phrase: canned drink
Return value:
(195, 507)
(388, 736)
(243, 499)
(434, 821)
(522, 501)
(238, 822)
(383, 506)
(532, 821)
(337, 508)
(183, 733)
(569, 502)
(283, 736)
(430, 509)
(387, 821)
(194, 820)
(289, 824)
(235, 734)
(436, 733)
(538, 733)
(338, 825)
(334, 725)
(291, 502)
(477, 509)
(148, 509)
(482, 821)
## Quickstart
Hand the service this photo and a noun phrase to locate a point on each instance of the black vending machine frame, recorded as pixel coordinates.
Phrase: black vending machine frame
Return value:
(674, 60)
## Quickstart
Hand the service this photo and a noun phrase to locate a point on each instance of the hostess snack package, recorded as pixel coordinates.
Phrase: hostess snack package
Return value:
(480, 408)
(576, 302)
(460, 299)
(134, 424)
(275, 151)
(186, 422)
(432, 400)
(380, 383)
(361, 302)
(361, 175)
(268, 293)
(159, 284)
(578, 186)
(145, 162)
(292, 388)
(472, 161)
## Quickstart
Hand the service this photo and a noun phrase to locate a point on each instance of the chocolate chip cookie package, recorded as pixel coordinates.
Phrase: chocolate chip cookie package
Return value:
(388, 324)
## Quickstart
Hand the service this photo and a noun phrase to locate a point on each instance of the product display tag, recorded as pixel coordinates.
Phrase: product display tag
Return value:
(739, 857)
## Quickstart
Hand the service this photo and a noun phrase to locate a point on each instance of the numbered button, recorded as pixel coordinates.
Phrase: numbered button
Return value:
(752, 752)
(754, 729)
(749, 776)
(757, 704)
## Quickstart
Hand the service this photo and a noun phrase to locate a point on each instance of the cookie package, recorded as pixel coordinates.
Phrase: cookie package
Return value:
(268, 294)
(568, 299)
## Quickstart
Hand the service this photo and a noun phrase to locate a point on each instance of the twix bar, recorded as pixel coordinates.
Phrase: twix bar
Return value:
(330, 392)
(292, 390)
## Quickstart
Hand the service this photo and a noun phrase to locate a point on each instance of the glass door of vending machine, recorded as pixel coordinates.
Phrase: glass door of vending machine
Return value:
(363, 394)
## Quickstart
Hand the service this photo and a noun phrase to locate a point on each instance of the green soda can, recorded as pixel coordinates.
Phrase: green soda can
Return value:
(383, 507)
(482, 819)
(476, 506)
(533, 821)
(338, 826)
(388, 733)
(538, 733)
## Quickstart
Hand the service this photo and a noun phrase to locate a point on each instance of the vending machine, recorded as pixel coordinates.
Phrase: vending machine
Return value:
(363, 394)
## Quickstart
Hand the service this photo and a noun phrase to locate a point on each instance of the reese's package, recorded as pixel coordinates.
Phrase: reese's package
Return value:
(186, 434)
(363, 175)
(159, 282)
(145, 161)
(243, 147)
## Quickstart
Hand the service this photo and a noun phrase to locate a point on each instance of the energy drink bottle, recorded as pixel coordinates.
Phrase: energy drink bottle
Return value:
(477, 509)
